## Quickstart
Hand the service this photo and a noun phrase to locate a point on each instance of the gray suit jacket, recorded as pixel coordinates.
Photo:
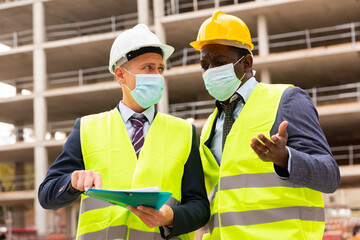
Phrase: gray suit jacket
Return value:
(312, 163)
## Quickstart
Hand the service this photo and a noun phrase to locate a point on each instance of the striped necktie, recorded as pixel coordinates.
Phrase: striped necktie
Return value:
(138, 136)
(229, 116)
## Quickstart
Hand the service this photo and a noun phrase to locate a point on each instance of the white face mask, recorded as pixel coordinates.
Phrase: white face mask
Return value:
(148, 89)
(221, 82)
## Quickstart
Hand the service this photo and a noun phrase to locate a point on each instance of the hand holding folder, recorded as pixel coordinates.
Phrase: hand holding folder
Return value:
(149, 197)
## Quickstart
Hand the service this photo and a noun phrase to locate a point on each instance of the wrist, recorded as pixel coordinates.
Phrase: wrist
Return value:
(283, 163)
(169, 216)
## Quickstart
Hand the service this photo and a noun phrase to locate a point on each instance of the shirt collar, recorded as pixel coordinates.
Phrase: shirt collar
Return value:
(244, 91)
(127, 112)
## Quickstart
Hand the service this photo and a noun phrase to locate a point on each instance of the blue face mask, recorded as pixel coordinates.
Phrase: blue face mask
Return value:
(221, 82)
(148, 90)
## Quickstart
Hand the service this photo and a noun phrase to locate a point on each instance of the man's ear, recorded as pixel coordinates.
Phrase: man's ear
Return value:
(119, 75)
(248, 62)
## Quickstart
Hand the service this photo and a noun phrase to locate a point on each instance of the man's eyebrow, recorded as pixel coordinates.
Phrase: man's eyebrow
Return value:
(152, 64)
(148, 63)
(217, 57)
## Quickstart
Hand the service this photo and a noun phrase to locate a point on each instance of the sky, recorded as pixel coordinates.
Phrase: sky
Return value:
(5, 91)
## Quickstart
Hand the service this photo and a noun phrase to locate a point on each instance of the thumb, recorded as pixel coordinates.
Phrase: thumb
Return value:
(282, 129)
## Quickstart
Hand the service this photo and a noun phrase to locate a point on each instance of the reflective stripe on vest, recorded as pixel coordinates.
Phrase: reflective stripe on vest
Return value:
(267, 216)
(108, 150)
(117, 232)
(248, 199)
(256, 180)
(120, 232)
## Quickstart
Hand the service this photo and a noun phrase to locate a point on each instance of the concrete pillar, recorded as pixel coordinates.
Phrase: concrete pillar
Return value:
(163, 104)
(263, 37)
(143, 9)
(40, 111)
(265, 76)
(50, 216)
(41, 165)
(68, 220)
(74, 215)
(217, 3)
(158, 14)
(263, 44)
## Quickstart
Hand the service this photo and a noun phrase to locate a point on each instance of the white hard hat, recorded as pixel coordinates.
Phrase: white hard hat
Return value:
(133, 39)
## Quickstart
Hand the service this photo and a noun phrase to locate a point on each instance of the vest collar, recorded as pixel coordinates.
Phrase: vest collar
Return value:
(244, 91)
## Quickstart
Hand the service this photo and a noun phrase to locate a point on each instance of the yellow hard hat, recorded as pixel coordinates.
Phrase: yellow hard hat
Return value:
(223, 29)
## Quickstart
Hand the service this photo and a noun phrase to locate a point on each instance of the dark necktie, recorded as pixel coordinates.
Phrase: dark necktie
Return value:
(229, 119)
(138, 136)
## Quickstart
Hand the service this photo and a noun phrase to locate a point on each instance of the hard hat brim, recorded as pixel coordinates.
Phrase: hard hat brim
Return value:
(166, 49)
(197, 45)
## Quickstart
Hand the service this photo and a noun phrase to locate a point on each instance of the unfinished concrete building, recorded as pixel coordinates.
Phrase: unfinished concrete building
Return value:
(57, 66)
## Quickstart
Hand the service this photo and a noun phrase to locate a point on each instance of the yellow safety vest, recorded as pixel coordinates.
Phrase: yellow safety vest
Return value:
(107, 149)
(249, 201)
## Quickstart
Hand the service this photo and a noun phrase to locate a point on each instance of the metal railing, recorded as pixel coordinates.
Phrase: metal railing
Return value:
(21, 83)
(109, 24)
(310, 38)
(332, 94)
(80, 77)
(61, 126)
(16, 39)
(195, 110)
(181, 6)
(68, 30)
(347, 155)
(183, 57)
(306, 39)
(10, 183)
(320, 96)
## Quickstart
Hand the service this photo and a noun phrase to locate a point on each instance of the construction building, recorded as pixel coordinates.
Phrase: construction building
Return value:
(57, 66)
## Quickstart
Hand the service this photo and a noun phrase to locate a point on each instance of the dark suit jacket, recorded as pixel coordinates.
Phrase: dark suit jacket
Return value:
(312, 163)
(194, 212)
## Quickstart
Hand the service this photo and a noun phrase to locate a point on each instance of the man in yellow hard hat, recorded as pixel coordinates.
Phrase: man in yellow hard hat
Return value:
(129, 147)
(265, 158)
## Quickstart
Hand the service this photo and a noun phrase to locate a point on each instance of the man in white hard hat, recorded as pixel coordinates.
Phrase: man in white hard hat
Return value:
(132, 146)
(265, 158)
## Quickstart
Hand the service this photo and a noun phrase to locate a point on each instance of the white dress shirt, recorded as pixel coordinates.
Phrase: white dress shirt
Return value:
(126, 113)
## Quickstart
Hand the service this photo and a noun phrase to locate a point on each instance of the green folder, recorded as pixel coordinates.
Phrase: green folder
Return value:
(154, 199)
